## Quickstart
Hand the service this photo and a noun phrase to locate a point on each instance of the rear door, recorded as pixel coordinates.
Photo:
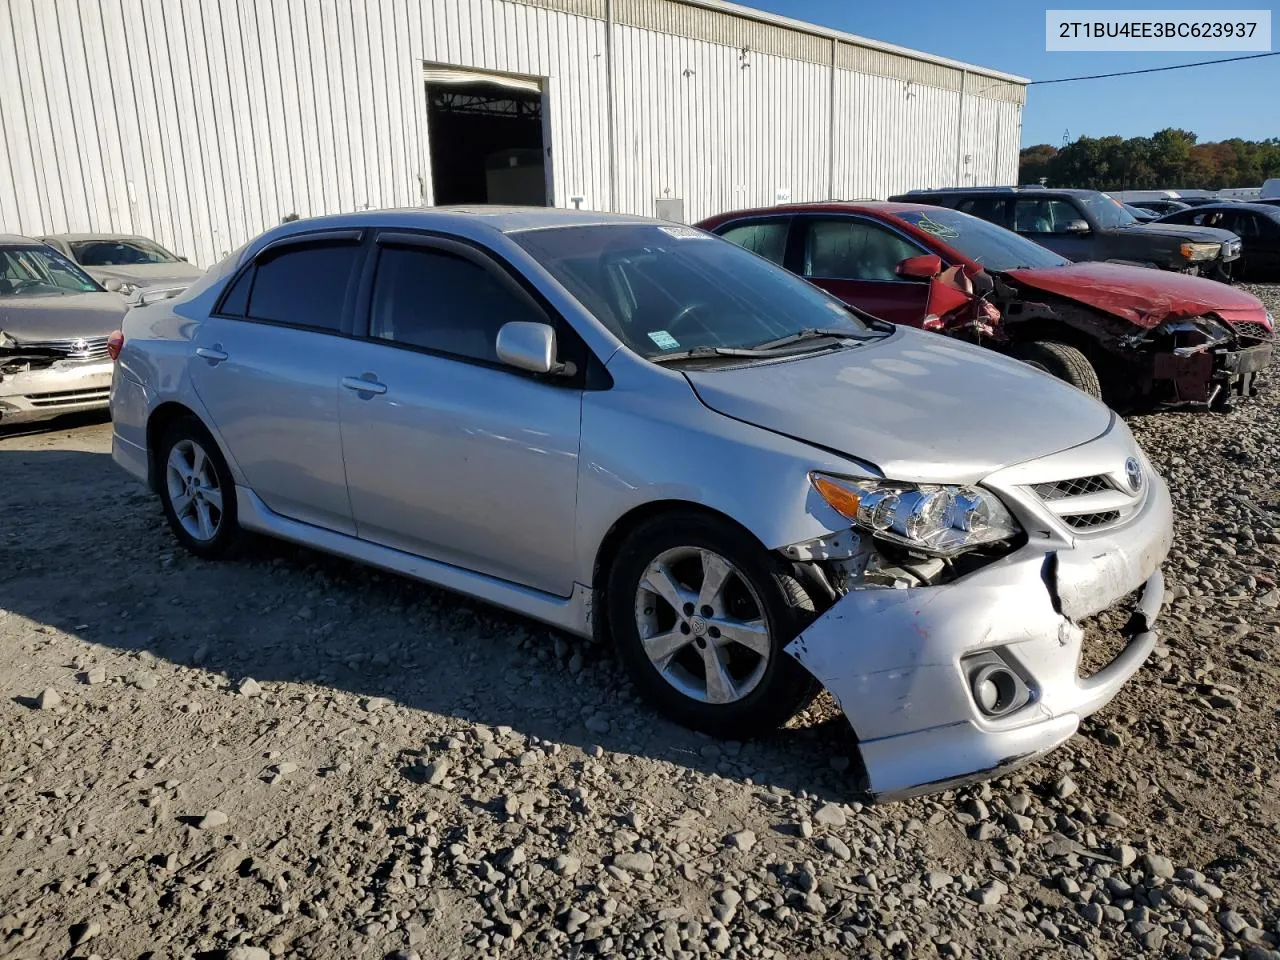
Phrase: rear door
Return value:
(1260, 240)
(856, 258)
(449, 453)
(766, 236)
(266, 366)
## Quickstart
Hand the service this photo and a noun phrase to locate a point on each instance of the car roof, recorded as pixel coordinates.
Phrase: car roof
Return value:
(1233, 205)
(16, 238)
(1029, 190)
(883, 207)
(74, 237)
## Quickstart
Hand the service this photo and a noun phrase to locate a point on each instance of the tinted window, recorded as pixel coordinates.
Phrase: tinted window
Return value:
(995, 248)
(1044, 216)
(768, 238)
(994, 209)
(236, 301)
(854, 250)
(431, 299)
(1106, 211)
(304, 286)
(663, 289)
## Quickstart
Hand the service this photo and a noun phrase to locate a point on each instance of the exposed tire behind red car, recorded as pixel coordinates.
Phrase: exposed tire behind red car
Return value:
(1063, 361)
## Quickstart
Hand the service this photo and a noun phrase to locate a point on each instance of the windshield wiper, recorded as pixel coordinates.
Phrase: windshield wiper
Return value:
(812, 333)
(698, 353)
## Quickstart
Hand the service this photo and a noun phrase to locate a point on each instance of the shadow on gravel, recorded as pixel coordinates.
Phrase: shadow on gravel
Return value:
(85, 549)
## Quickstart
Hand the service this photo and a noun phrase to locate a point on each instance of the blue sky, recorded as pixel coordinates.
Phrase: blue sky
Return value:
(1215, 102)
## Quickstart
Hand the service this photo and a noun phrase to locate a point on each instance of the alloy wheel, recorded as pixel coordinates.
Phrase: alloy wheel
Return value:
(702, 626)
(194, 492)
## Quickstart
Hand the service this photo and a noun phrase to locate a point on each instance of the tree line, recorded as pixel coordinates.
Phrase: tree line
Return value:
(1169, 159)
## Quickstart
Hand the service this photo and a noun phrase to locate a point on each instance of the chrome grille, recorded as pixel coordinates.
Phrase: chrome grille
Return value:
(69, 398)
(1076, 487)
(1091, 521)
(78, 348)
(1257, 331)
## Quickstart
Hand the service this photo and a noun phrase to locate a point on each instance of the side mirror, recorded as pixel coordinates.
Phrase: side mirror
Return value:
(530, 346)
(924, 267)
(1076, 226)
(112, 285)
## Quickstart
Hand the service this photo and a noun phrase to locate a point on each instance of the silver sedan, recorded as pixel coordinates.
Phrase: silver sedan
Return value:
(631, 428)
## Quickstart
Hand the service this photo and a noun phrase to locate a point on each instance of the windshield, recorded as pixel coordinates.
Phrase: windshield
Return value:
(120, 251)
(1107, 212)
(40, 271)
(995, 248)
(668, 289)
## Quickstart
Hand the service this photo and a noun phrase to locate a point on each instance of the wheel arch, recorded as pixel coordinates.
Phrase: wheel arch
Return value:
(632, 520)
(158, 422)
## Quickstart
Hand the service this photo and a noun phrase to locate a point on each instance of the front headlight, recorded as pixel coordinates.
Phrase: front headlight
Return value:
(1200, 251)
(938, 520)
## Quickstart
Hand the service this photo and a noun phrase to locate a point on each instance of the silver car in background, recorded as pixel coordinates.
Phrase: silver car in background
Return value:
(125, 263)
(629, 427)
(55, 323)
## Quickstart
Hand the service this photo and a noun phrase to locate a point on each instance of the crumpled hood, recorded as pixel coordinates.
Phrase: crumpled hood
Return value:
(61, 317)
(1143, 296)
(919, 406)
(146, 274)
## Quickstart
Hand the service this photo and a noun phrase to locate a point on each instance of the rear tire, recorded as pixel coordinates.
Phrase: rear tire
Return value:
(717, 664)
(197, 490)
(1063, 361)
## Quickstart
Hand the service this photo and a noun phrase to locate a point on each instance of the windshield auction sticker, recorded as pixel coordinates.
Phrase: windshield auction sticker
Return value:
(1151, 30)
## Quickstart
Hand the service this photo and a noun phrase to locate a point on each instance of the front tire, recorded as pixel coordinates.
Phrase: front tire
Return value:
(1063, 361)
(196, 490)
(701, 613)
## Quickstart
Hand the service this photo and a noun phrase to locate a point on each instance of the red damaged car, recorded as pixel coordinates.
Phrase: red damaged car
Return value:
(1129, 335)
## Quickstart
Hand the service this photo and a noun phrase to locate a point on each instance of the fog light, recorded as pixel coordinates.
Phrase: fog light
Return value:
(996, 688)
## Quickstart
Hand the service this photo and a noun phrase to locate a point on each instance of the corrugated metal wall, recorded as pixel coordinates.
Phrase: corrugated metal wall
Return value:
(201, 124)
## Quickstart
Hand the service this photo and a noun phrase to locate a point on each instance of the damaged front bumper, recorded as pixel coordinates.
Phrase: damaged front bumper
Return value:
(64, 386)
(1211, 374)
(901, 662)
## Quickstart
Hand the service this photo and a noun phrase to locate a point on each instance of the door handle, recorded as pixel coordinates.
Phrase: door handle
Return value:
(367, 383)
(214, 354)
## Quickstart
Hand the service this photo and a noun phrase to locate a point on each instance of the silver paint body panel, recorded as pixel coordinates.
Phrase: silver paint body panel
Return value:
(504, 487)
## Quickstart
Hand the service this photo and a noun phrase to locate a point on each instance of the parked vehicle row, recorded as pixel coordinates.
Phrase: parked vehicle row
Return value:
(1125, 334)
(630, 428)
(1257, 225)
(1089, 225)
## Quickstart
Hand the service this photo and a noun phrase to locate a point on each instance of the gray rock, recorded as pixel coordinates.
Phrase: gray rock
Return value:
(989, 894)
(574, 920)
(936, 879)
(830, 815)
(1232, 922)
(742, 840)
(95, 675)
(435, 772)
(598, 723)
(638, 863)
(84, 932)
(1064, 788)
(837, 848)
(48, 699)
(373, 704)
(1155, 865)
(249, 687)
(248, 953)
(566, 865)
(212, 820)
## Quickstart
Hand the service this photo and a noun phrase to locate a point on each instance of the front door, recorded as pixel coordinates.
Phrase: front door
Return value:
(266, 366)
(449, 454)
(1046, 221)
(856, 259)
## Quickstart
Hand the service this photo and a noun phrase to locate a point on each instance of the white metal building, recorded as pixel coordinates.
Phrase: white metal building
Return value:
(202, 122)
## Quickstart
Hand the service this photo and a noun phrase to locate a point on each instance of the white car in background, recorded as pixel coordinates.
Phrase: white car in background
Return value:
(125, 263)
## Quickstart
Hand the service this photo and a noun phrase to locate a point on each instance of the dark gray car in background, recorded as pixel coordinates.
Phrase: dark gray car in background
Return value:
(1089, 225)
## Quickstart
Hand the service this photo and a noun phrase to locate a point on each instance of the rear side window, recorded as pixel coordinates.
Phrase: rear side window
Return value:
(302, 286)
(768, 238)
(994, 209)
(437, 301)
(853, 250)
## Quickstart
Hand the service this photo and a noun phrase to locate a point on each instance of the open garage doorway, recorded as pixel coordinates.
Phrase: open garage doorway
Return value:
(488, 138)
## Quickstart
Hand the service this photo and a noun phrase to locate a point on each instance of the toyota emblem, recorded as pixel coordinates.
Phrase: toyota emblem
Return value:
(80, 345)
(1133, 473)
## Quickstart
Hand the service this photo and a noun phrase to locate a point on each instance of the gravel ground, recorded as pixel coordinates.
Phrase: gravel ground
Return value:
(290, 755)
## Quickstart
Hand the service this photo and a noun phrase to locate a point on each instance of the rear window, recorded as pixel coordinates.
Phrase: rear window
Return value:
(303, 286)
